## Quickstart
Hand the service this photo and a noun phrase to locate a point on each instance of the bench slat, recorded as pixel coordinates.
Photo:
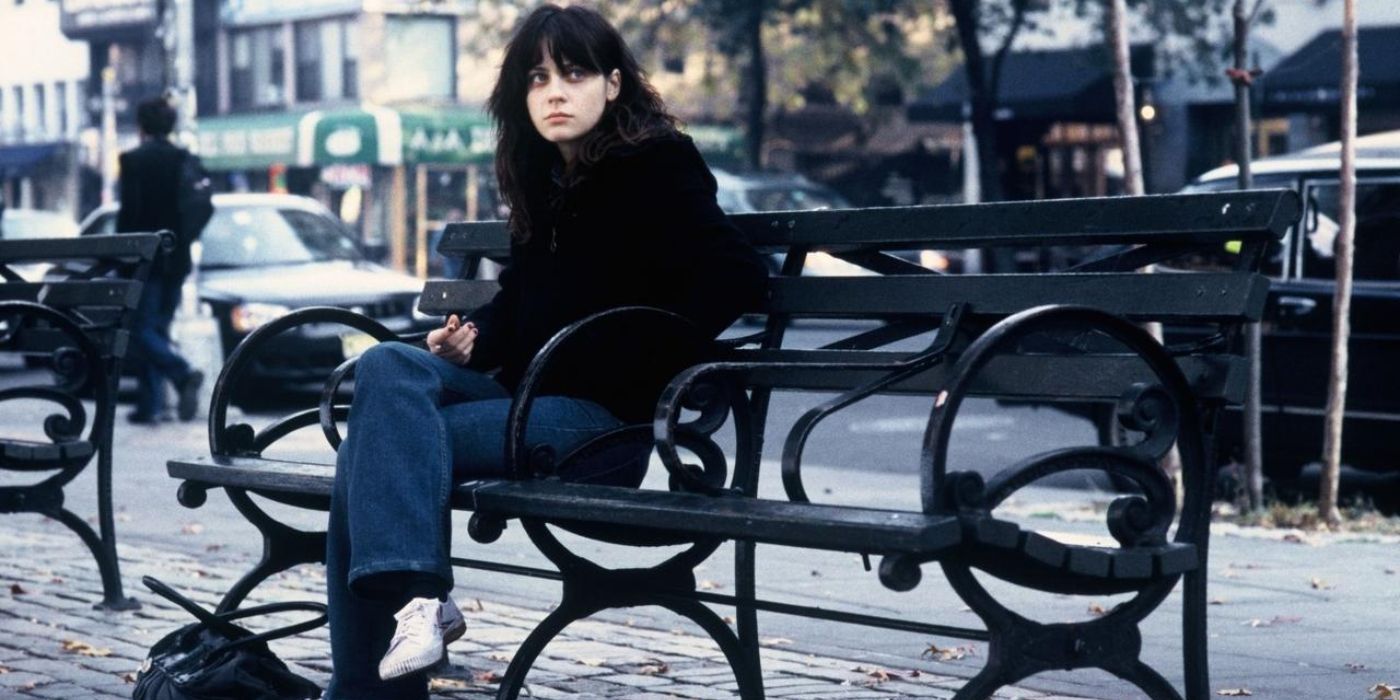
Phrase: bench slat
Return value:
(1210, 297)
(1213, 297)
(1063, 377)
(125, 246)
(256, 474)
(837, 528)
(69, 295)
(1201, 218)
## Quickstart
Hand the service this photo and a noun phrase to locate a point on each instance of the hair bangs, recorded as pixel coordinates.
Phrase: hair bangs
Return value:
(569, 41)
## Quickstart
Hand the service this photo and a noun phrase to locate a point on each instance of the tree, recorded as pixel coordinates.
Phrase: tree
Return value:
(1341, 312)
(1243, 78)
(1192, 26)
(1123, 91)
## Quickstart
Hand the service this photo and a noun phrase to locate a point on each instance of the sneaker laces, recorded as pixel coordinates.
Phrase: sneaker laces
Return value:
(416, 620)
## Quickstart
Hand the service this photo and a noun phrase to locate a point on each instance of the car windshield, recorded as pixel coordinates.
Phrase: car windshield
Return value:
(241, 236)
(793, 199)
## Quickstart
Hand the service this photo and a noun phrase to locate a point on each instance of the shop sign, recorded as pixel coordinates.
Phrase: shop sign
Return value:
(346, 175)
(88, 18)
(236, 146)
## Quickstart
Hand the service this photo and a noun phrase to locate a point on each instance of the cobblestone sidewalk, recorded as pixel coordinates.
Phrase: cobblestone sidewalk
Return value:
(53, 644)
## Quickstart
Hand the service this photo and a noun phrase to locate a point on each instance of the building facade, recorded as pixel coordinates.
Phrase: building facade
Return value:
(44, 134)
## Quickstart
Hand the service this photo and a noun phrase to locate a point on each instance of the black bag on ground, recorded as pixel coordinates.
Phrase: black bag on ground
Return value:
(214, 659)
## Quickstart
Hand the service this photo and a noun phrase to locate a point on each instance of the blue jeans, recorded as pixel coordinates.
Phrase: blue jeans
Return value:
(155, 360)
(418, 424)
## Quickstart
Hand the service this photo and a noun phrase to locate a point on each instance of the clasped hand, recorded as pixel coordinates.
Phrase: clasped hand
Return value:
(453, 341)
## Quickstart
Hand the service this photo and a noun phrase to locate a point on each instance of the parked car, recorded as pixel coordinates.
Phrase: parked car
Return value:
(21, 224)
(263, 255)
(1297, 326)
(755, 192)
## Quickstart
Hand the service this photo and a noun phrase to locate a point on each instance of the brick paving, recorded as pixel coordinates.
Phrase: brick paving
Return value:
(53, 644)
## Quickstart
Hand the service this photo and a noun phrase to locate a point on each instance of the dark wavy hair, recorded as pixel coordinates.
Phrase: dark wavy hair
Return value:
(580, 37)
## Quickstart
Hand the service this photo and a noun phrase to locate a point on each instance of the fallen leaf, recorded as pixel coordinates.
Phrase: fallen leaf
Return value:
(1295, 539)
(1355, 667)
(502, 658)
(441, 684)
(654, 667)
(81, 648)
(486, 677)
(1097, 610)
(1383, 691)
(728, 619)
(1217, 601)
(213, 547)
(708, 585)
(1390, 571)
(477, 606)
(191, 529)
(16, 589)
(1275, 620)
(4, 669)
(914, 673)
(56, 580)
(1234, 692)
(128, 677)
(774, 641)
(949, 653)
(591, 662)
(816, 573)
(1319, 585)
(879, 675)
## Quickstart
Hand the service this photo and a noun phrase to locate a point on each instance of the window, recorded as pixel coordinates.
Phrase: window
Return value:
(60, 106)
(325, 60)
(41, 117)
(419, 55)
(21, 119)
(256, 71)
(1376, 255)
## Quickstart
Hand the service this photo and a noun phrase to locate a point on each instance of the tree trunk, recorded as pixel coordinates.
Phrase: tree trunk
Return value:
(1253, 428)
(980, 98)
(1123, 89)
(757, 85)
(1341, 310)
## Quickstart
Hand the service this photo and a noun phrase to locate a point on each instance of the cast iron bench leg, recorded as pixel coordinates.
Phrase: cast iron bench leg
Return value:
(283, 548)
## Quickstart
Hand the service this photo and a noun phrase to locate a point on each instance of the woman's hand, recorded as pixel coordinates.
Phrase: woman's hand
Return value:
(454, 341)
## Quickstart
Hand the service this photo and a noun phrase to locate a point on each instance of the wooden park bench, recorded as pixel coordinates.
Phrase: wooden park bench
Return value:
(1058, 336)
(65, 326)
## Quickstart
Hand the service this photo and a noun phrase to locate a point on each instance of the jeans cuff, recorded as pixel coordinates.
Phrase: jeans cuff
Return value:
(414, 565)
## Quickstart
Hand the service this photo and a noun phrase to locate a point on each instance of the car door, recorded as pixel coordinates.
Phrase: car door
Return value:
(1299, 340)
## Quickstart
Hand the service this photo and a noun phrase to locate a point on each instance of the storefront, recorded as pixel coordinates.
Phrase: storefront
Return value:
(396, 174)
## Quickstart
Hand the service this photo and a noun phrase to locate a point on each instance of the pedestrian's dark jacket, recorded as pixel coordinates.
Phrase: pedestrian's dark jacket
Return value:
(148, 189)
(640, 227)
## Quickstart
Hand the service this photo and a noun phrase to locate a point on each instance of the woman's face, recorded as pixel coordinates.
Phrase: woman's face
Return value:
(565, 103)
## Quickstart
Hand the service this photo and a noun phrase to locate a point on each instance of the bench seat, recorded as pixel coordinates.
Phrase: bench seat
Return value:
(25, 455)
(807, 525)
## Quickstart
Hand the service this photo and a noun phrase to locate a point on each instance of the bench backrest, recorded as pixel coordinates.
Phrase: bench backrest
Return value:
(1113, 238)
(91, 286)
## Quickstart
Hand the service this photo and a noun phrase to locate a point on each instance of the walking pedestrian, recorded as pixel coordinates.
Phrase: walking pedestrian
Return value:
(610, 206)
(162, 187)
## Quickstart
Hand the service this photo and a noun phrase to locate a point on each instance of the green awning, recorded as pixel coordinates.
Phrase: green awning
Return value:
(369, 135)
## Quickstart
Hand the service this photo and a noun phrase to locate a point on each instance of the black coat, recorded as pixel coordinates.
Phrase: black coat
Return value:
(149, 187)
(641, 227)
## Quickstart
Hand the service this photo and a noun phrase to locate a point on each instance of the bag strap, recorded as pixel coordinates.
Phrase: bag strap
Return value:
(223, 621)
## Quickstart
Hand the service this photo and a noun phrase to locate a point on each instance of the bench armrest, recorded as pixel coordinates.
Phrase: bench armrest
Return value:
(232, 440)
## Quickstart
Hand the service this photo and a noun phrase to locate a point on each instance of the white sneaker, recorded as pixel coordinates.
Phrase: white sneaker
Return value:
(426, 627)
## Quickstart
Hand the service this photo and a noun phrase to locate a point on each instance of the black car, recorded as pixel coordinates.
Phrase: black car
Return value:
(1297, 327)
(263, 255)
